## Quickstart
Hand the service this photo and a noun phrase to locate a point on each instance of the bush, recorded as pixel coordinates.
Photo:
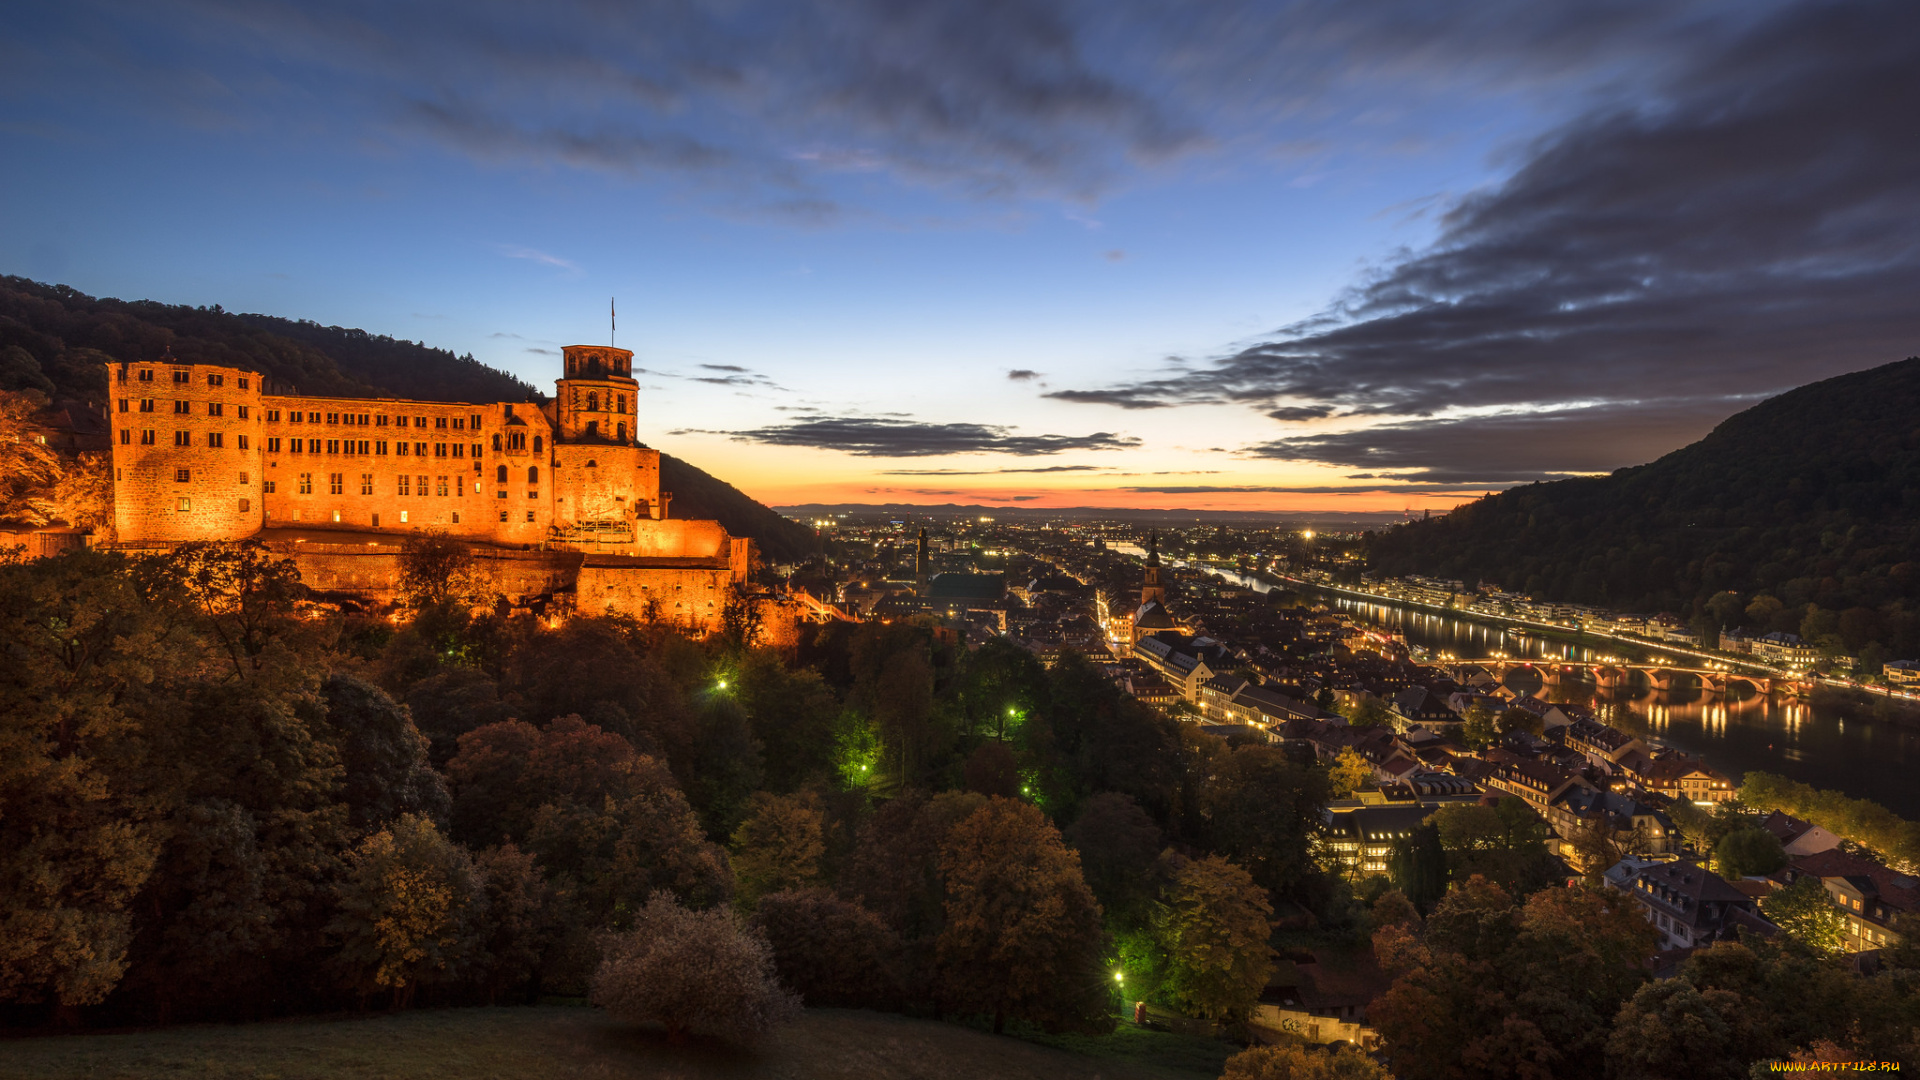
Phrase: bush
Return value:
(691, 972)
(1302, 1063)
(831, 951)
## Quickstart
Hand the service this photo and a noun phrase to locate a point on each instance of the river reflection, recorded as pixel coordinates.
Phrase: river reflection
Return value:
(1734, 732)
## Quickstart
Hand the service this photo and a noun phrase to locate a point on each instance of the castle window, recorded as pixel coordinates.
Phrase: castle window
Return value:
(146, 437)
(593, 427)
(180, 407)
(400, 448)
(213, 408)
(533, 474)
(306, 483)
(333, 446)
(126, 436)
(500, 474)
(474, 421)
(336, 483)
(593, 402)
(459, 423)
(496, 444)
(456, 517)
(591, 463)
(313, 418)
(243, 478)
(503, 494)
(146, 404)
(216, 380)
(478, 448)
(273, 416)
(439, 449)
(336, 517)
(376, 521)
(243, 412)
(623, 431)
(536, 444)
(246, 505)
(405, 483)
(419, 421)
(423, 487)
(184, 504)
(403, 517)
(440, 486)
(121, 375)
(123, 404)
(381, 420)
(366, 483)
(362, 444)
(267, 487)
(440, 423)
(529, 515)
(503, 513)
(273, 445)
(216, 440)
(419, 449)
(146, 374)
(182, 476)
(296, 417)
(182, 376)
(333, 418)
(459, 449)
(183, 438)
(533, 494)
(243, 383)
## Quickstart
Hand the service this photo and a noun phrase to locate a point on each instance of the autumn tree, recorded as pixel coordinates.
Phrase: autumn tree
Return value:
(1350, 773)
(832, 952)
(1022, 937)
(1479, 731)
(1807, 913)
(778, 847)
(1215, 935)
(793, 715)
(1118, 845)
(437, 571)
(29, 468)
(692, 973)
(384, 756)
(1366, 711)
(411, 911)
(240, 594)
(1291, 1061)
(1506, 843)
(522, 919)
(1671, 1028)
(895, 870)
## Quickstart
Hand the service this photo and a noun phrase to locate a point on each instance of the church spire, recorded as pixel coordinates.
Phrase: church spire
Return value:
(1151, 591)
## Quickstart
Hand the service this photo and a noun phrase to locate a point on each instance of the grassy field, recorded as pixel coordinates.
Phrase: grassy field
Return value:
(559, 1041)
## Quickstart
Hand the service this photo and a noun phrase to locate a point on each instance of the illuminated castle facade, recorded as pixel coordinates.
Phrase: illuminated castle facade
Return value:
(556, 498)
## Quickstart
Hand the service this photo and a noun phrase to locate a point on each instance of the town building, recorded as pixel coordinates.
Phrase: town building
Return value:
(1869, 894)
(1691, 905)
(555, 499)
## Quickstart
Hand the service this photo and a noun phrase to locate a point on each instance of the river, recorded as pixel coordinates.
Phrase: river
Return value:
(1734, 733)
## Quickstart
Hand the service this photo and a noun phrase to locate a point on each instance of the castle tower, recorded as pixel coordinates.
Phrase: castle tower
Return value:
(598, 399)
(186, 452)
(603, 478)
(920, 565)
(1151, 590)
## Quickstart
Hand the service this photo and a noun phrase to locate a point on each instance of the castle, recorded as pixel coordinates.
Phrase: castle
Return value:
(556, 500)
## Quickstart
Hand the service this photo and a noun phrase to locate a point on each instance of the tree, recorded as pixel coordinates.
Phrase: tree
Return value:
(1118, 845)
(241, 593)
(1022, 936)
(385, 756)
(833, 952)
(1293, 1062)
(1366, 711)
(1215, 935)
(28, 467)
(1479, 731)
(1417, 865)
(742, 619)
(1517, 719)
(895, 870)
(1805, 911)
(410, 911)
(1349, 773)
(1670, 1028)
(1748, 853)
(521, 921)
(778, 847)
(1262, 810)
(437, 571)
(793, 715)
(1506, 843)
(992, 770)
(693, 973)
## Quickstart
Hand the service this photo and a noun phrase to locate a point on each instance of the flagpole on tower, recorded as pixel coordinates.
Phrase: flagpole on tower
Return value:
(613, 322)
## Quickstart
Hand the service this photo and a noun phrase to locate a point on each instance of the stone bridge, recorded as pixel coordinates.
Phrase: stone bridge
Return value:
(1619, 675)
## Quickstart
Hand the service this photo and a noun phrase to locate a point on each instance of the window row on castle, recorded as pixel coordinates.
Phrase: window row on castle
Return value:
(337, 484)
(183, 407)
(376, 447)
(215, 439)
(442, 423)
(615, 402)
(183, 377)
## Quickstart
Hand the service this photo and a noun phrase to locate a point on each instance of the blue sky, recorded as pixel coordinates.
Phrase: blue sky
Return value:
(1289, 255)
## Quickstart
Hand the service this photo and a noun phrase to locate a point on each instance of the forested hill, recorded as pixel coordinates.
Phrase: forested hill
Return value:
(55, 340)
(63, 336)
(1801, 514)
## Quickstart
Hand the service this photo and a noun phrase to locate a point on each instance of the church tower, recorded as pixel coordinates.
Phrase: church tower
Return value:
(1151, 591)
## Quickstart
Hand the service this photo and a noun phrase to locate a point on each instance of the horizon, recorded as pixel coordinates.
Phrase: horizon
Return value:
(1046, 257)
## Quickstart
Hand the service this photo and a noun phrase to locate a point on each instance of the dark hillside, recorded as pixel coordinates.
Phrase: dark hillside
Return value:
(53, 339)
(1800, 514)
(697, 494)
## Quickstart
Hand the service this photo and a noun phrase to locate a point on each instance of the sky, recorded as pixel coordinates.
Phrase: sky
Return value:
(1288, 256)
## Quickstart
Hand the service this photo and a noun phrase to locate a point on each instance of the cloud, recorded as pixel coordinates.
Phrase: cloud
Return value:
(735, 368)
(1115, 255)
(876, 437)
(1262, 489)
(1745, 228)
(992, 472)
(1022, 374)
(513, 251)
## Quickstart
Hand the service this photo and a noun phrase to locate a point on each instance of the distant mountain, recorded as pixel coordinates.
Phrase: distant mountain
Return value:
(1332, 520)
(55, 340)
(1800, 514)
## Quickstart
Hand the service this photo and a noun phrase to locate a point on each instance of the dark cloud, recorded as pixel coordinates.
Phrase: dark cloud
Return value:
(1261, 489)
(1748, 228)
(875, 437)
(1022, 374)
(734, 368)
(764, 102)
